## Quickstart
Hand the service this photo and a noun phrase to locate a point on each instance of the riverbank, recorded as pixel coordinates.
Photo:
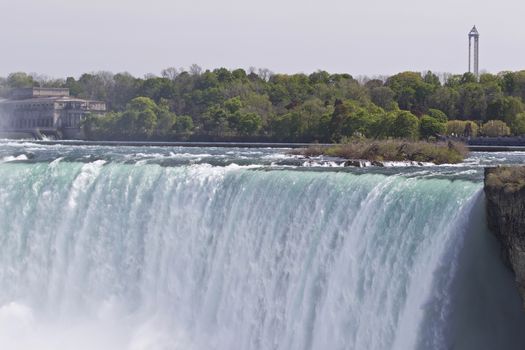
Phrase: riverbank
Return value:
(391, 151)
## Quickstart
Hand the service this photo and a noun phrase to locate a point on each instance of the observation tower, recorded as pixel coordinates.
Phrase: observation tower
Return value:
(473, 34)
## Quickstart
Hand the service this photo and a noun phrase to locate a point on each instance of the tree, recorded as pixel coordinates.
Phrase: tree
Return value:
(495, 128)
(336, 122)
(157, 88)
(432, 79)
(145, 124)
(19, 80)
(405, 125)
(75, 89)
(472, 102)
(259, 104)
(289, 126)
(183, 125)
(461, 128)
(195, 69)
(513, 83)
(239, 74)
(249, 124)
(96, 86)
(223, 75)
(316, 115)
(468, 78)
(517, 124)
(437, 114)
(445, 99)
(512, 106)
(383, 97)
(233, 105)
(142, 115)
(411, 91)
(125, 88)
(265, 74)
(487, 78)
(357, 122)
(142, 103)
(373, 83)
(431, 127)
(506, 108)
(454, 81)
(165, 121)
(519, 81)
(291, 107)
(319, 77)
(170, 73)
(215, 120)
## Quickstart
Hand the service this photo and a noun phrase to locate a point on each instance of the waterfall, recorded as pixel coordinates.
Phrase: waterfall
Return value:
(106, 255)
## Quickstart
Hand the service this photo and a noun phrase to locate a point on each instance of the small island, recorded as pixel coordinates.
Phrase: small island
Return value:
(375, 152)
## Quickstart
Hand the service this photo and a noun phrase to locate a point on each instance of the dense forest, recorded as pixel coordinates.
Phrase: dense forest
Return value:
(224, 104)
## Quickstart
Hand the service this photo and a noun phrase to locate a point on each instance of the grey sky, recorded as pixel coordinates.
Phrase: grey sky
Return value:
(63, 38)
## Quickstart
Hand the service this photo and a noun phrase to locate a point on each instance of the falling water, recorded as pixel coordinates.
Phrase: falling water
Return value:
(112, 255)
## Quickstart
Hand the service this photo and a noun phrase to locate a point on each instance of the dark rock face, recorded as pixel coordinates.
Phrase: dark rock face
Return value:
(505, 193)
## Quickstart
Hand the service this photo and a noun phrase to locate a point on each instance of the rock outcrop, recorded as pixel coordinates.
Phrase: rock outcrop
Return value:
(505, 193)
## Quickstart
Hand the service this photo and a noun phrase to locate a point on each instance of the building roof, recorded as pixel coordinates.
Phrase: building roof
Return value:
(48, 100)
(35, 92)
(473, 32)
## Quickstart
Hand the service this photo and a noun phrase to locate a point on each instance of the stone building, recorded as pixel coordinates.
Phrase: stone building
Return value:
(46, 111)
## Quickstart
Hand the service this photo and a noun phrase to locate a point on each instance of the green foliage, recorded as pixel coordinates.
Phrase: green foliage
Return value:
(472, 103)
(432, 79)
(437, 114)
(468, 78)
(324, 107)
(233, 105)
(517, 124)
(411, 91)
(249, 124)
(142, 119)
(405, 126)
(383, 97)
(289, 126)
(382, 126)
(503, 107)
(19, 80)
(183, 125)
(446, 100)
(431, 127)
(215, 120)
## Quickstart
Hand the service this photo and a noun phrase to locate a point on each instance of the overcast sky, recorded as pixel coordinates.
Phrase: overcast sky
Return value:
(362, 37)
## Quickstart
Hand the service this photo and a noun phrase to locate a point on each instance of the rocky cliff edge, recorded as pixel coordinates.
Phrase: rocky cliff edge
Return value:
(505, 194)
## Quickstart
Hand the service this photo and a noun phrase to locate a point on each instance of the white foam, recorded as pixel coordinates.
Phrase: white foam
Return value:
(14, 158)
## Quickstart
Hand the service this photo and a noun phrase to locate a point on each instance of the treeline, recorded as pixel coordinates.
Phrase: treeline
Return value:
(224, 104)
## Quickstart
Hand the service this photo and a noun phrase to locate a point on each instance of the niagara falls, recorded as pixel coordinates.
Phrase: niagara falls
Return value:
(262, 175)
(246, 248)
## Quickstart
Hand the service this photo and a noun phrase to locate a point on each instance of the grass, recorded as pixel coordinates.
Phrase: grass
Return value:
(392, 150)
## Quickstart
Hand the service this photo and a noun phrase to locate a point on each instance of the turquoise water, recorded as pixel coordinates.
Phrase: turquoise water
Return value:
(152, 248)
